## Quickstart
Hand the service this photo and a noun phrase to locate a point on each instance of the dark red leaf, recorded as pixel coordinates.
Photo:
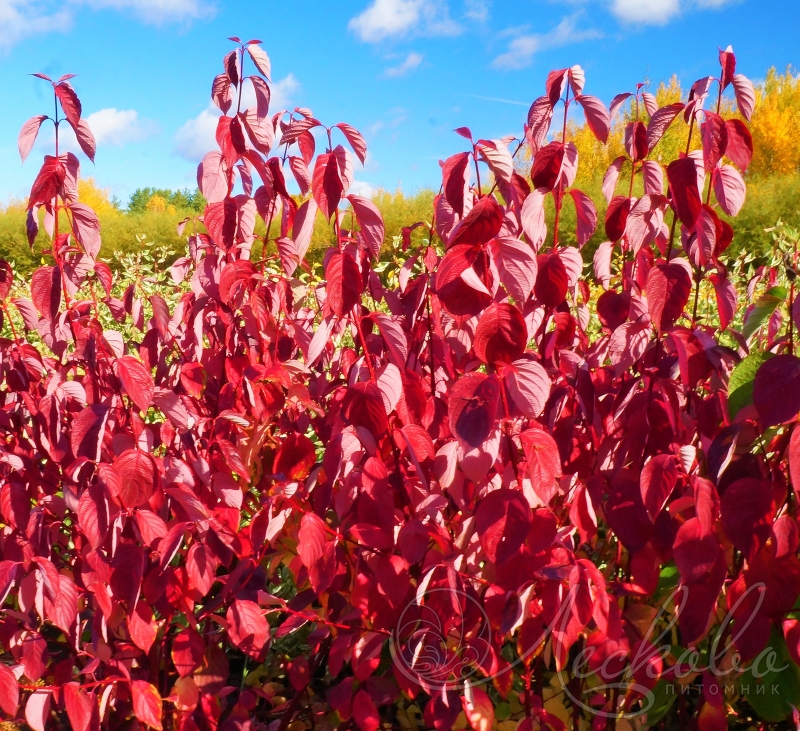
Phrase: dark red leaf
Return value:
(502, 520)
(668, 289)
(501, 334)
(776, 391)
(472, 405)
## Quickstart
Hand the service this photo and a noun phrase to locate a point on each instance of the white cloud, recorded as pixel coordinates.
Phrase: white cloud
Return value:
(359, 187)
(386, 18)
(197, 136)
(21, 19)
(649, 12)
(158, 11)
(477, 10)
(117, 126)
(522, 49)
(412, 61)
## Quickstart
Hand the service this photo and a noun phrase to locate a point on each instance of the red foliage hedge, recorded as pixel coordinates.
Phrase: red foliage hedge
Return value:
(266, 501)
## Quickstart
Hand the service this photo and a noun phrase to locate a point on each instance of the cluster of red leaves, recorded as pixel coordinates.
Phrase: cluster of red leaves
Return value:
(240, 488)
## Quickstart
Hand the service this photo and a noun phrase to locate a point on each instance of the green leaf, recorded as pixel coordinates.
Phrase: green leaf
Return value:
(764, 307)
(664, 695)
(775, 693)
(740, 385)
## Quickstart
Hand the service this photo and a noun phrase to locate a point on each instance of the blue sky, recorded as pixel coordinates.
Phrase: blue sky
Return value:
(404, 72)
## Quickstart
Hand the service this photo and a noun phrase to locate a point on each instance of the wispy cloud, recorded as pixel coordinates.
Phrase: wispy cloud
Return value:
(383, 19)
(21, 19)
(498, 99)
(523, 48)
(157, 12)
(646, 12)
(409, 63)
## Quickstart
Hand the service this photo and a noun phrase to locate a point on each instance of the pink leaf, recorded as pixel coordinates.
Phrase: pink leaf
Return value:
(355, 139)
(529, 386)
(260, 59)
(27, 135)
(370, 221)
(597, 117)
(660, 122)
(610, 178)
(729, 188)
(587, 215)
(745, 95)
(516, 265)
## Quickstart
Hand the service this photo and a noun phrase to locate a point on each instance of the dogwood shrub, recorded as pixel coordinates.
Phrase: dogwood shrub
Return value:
(472, 484)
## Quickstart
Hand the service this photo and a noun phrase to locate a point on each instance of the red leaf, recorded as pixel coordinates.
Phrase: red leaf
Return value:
(481, 224)
(142, 628)
(81, 706)
(528, 385)
(363, 406)
(660, 122)
(27, 135)
(776, 390)
(479, 709)
(636, 141)
(714, 134)
(355, 139)
(6, 279)
(461, 271)
(86, 436)
(187, 651)
(668, 289)
(740, 143)
(745, 95)
(516, 265)
(37, 709)
(586, 213)
(597, 117)
(617, 217)
(137, 381)
(454, 180)
(311, 539)
(69, 102)
(729, 189)
(9, 691)
(146, 703)
(747, 508)
(539, 117)
(344, 283)
(365, 712)
(682, 177)
(370, 222)
(295, 457)
(260, 59)
(544, 461)
(137, 475)
(472, 406)
(501, 334)
(46, 291)
(657, 481)
(502, 520)
(551, 281)
(326, 184)
(85, 138)
(247, 627)
(86, 228)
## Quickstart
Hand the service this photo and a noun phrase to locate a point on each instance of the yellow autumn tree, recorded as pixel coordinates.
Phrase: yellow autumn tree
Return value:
(776, 125)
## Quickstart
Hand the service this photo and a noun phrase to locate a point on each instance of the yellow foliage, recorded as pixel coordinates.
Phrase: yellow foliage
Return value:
(97, 198)
(157, 204)
(776, 124)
